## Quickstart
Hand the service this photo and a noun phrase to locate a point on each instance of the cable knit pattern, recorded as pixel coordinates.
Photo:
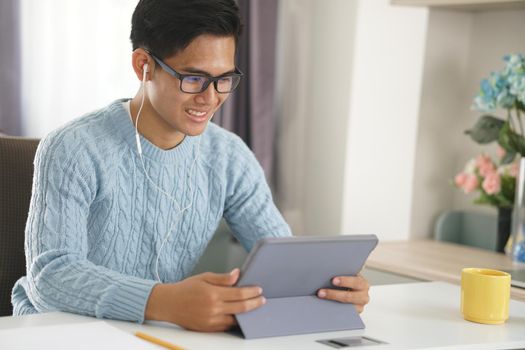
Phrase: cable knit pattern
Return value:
(96, 224)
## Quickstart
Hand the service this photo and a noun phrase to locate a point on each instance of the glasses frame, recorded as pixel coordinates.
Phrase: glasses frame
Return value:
(209, 80)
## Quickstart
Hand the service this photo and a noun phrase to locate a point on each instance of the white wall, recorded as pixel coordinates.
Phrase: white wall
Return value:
(384, 109)
(439, 135)
(314, 70)
(348, 100)
(292, 77)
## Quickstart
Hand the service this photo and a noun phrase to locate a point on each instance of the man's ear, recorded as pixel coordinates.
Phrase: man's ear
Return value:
(140, 61)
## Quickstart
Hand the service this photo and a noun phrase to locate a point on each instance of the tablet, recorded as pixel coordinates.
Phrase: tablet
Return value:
(301, 265)
(290, 271)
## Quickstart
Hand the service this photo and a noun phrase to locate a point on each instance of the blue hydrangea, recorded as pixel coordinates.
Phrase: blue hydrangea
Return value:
(517, 87)
(514, 64)
(503, 89)
(485, 101)
(515, 70)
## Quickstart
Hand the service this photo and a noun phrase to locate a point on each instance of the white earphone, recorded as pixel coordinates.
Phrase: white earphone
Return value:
(145, 70)
(180, 209)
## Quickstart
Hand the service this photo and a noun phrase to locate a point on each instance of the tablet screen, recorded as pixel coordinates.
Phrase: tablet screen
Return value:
(300, 266)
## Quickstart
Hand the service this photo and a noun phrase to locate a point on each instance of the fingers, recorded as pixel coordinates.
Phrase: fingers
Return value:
(222, 323)
(228, 321)
(237, 307)
(357, 294)
(344, 296)
(223, 290)
(353, 282)
(238, 293)
(216, 324)
(221, 279)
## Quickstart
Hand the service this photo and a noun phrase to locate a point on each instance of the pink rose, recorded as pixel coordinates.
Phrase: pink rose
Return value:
(460, 179)
(485, 165)
(492, 183)
(471, 183)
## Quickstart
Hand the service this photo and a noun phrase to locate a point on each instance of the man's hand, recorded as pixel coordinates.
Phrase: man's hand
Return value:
(356, 294)
(205, 302)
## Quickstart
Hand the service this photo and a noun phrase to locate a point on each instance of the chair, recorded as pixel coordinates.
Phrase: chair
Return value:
(16, 175)
(467, 228)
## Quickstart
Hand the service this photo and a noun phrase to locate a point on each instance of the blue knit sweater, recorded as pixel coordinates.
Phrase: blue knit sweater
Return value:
(96, 224)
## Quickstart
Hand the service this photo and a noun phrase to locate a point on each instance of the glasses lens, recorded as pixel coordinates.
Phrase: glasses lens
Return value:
(193, 83)
(228, 83)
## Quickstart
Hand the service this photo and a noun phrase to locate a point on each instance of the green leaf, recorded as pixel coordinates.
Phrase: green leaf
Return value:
(518, 142)
(485, 198)
(504, 139)
(511, 141)
(486, 130)
(509, 157)
(508, 186)
(520, 106)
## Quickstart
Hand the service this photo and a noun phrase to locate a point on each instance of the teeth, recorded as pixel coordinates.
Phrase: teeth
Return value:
(196, 113)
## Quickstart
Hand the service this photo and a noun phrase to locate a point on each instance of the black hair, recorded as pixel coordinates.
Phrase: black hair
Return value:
(166, 27)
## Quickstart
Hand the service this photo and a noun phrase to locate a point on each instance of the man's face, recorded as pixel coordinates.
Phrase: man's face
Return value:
(185, 113)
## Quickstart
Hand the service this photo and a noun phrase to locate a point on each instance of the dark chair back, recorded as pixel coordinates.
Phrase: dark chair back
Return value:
(16, 175)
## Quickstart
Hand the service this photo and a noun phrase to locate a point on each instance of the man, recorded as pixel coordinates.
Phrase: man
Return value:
(117, 221)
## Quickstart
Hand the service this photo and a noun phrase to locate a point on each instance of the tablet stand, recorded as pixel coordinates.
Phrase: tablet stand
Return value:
(298, 315)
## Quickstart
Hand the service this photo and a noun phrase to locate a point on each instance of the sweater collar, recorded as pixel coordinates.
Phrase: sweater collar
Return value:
(123, 125)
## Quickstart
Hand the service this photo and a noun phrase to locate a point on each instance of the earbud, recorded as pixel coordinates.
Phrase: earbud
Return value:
(145, 70)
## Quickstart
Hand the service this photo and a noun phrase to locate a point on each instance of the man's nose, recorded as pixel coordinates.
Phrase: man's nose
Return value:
(207, 96)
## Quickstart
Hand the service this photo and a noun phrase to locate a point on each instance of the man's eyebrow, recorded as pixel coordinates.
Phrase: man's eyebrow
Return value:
(203, 72)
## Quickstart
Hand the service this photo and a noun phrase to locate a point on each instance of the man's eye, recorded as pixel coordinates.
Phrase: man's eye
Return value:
(194, 79)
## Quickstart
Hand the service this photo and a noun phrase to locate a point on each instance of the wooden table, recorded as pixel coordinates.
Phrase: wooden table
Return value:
(437, 261)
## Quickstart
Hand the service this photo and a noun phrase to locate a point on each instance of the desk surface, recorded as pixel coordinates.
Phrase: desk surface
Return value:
(406, 316)
(437, 261)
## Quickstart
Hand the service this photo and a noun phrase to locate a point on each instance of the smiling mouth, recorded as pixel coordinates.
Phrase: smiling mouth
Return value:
(195, 115)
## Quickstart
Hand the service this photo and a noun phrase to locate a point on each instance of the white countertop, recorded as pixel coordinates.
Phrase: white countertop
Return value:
(405, 316)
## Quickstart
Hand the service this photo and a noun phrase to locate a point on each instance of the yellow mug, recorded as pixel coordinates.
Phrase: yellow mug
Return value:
(485, 295)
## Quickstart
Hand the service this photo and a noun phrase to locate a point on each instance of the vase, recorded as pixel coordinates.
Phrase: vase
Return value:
(504, 228)
(516, 244)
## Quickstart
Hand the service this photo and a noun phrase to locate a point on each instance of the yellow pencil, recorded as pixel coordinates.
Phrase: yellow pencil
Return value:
(158, 341)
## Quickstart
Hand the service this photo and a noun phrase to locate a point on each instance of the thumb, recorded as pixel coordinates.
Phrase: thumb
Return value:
(222, 279)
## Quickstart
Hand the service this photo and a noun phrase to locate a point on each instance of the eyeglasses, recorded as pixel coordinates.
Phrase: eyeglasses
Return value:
(195, 84)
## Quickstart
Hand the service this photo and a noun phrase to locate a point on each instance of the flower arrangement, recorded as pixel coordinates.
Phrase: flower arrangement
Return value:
(504, 90)
(495, 181)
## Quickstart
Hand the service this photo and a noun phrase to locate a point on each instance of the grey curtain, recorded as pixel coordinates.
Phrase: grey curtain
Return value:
(10, 68)
(250, 111)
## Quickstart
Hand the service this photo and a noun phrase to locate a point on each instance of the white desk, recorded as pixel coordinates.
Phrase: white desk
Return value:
(406, 316)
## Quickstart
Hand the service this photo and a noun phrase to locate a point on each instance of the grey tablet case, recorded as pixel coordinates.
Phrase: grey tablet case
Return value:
(290, 271)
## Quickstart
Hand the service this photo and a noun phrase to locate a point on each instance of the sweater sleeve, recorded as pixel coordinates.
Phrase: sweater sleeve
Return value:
(59, 274)
(249, 208)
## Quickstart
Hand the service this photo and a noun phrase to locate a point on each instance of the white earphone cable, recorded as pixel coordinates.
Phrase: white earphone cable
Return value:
(180, 209)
